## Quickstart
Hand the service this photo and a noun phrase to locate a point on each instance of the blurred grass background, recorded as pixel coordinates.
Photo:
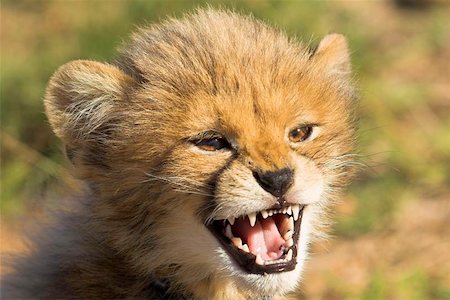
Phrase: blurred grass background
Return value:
(392, 236)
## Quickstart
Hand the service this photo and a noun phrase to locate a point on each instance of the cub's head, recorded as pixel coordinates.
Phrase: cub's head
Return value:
(211, 147)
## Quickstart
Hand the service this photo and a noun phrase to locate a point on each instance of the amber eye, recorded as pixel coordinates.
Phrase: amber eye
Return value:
(301, 133)
(212, 144)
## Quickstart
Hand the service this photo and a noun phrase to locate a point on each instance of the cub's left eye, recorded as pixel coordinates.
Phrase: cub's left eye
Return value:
(212, 144)
(301, 133)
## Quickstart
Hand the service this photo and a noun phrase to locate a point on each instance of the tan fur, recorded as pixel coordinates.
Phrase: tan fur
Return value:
(127, 129)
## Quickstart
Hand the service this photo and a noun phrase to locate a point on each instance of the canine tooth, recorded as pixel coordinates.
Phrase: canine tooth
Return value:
(289, 255)
(289, 211)
(231, 220)
(290, 243)
(237, 242)
(245, 248)
(259, 260)
(228, 232)
(264, 214)
(252, 218)
(295, 211)
(288, 235)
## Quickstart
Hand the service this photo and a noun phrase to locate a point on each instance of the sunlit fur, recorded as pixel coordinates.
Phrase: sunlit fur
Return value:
(127, 128)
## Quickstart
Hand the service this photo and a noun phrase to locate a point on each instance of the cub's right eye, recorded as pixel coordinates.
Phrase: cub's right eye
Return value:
(212, 144)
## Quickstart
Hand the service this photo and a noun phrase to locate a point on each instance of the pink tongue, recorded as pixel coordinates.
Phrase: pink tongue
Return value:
(263, 238)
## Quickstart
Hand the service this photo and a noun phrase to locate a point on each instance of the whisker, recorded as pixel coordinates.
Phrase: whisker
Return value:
(192, 192)
(182, 184)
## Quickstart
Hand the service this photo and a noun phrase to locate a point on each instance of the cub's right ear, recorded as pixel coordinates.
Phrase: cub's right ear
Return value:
(333, 57)
(82, 97)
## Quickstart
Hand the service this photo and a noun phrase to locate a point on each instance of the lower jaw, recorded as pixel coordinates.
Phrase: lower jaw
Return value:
(247, 263)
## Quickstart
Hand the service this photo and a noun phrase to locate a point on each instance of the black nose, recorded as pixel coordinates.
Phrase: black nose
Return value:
(276, 183)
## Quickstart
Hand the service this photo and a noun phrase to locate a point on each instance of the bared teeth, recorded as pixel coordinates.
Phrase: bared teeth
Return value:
(237, 242)
(289, 255)
(286, 227)
(259, 260)
(264, 214)
(290, 242)
(228, 232)
(289, 211)
(252, 218)
(287, 258)
(288, 235)
(285, 224)
(295, 211)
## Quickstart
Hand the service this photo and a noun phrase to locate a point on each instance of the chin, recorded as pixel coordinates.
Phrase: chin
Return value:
(266, 276)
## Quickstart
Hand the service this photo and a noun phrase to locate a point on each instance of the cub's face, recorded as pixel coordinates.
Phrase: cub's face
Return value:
(216, 168)
(257, 173)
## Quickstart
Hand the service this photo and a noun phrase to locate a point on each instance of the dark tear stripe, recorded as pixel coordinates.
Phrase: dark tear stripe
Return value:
(212, 182)
(209, 204)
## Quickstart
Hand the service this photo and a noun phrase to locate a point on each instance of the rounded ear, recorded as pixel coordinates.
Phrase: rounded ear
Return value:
(81, 98)
(333, 56)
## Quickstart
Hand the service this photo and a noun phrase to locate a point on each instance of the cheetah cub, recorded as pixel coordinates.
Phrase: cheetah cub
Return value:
(210, 150)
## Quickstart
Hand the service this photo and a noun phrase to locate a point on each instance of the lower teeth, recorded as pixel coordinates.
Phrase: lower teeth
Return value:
(287, 258)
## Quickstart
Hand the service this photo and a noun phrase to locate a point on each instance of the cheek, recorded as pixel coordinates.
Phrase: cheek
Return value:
(182, 236)
(190, 175)
(308, 183)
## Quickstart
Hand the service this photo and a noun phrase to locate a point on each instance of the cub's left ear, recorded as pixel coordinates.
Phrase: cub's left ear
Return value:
(82, 99)
(332, 56)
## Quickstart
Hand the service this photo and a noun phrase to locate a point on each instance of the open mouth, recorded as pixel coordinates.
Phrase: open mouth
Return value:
(262, 242)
